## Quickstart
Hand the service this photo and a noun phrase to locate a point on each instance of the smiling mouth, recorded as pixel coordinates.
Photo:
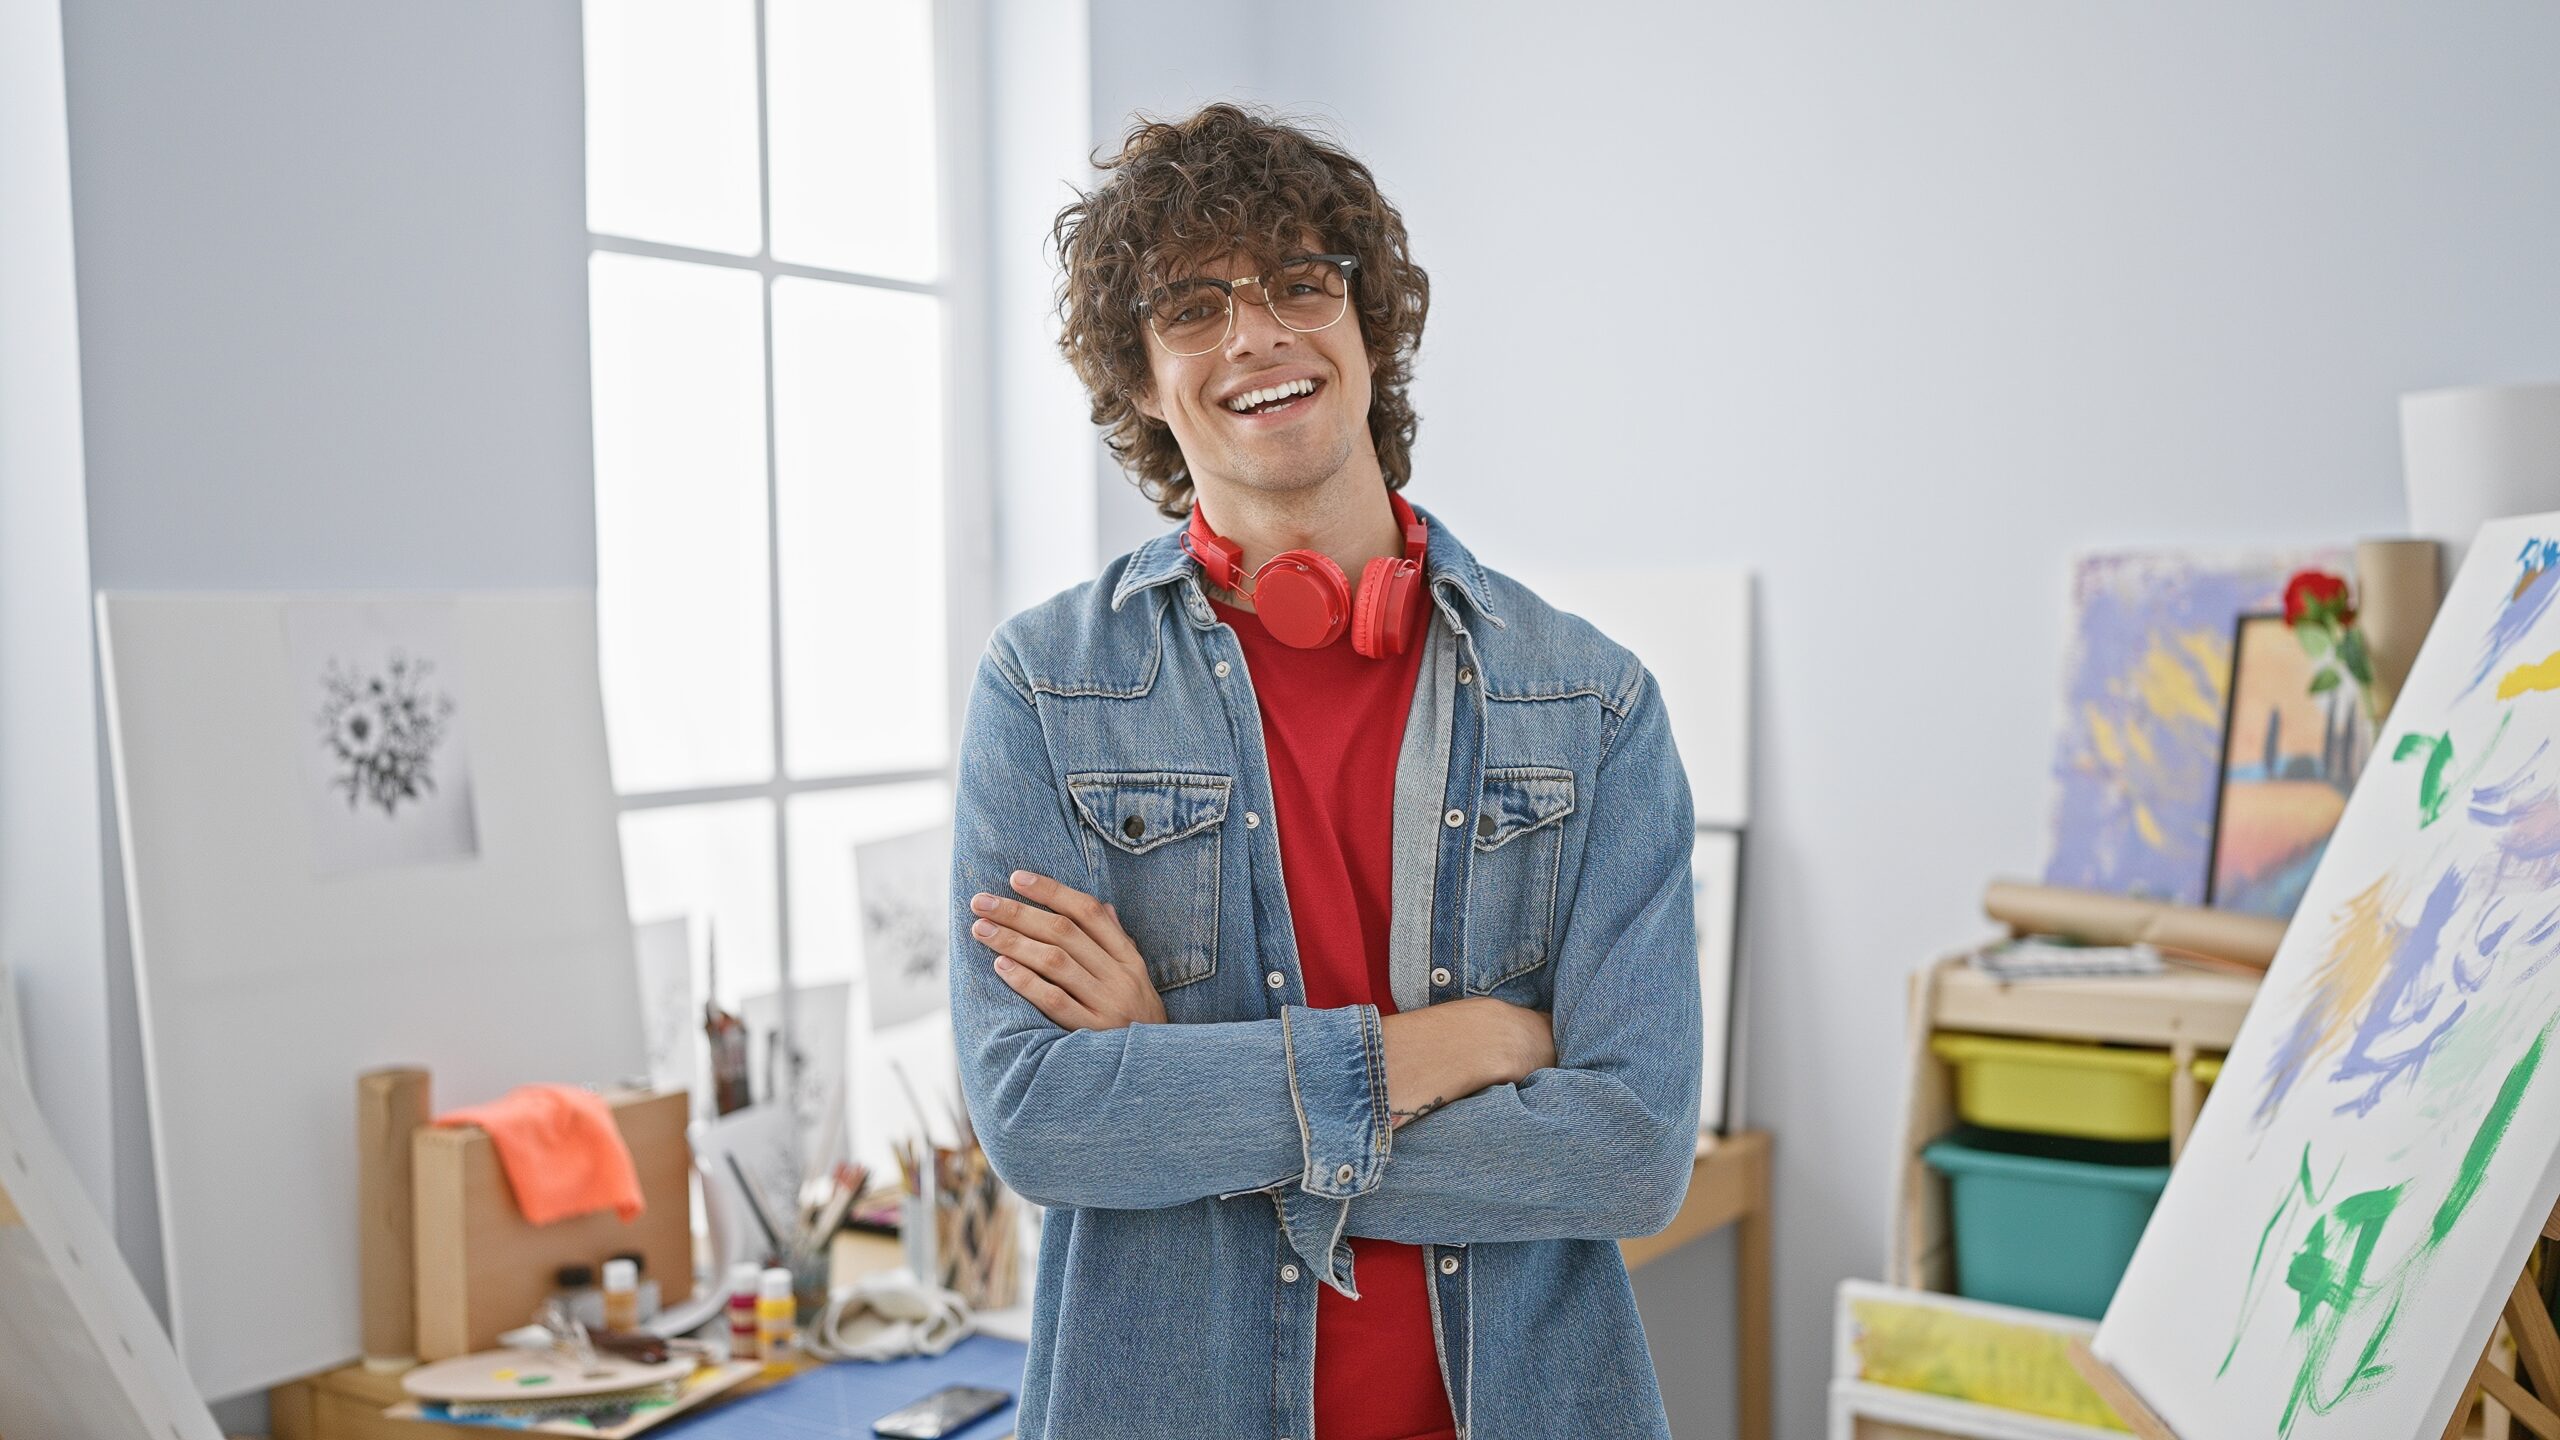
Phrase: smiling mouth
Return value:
(1303, 394)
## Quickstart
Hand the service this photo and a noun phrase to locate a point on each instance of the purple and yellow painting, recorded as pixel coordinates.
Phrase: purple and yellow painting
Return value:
(2359, 1195)
(2145, 689)
(2289, 757)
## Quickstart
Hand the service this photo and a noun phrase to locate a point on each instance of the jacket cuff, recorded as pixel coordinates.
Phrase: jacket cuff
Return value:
(1338, 1085)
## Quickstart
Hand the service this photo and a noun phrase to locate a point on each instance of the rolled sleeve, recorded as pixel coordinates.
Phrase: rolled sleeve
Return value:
(1338, 1086)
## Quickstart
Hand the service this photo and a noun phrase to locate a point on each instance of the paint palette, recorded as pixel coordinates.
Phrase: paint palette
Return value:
(496, 1376)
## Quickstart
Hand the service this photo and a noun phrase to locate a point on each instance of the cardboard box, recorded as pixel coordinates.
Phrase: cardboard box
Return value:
(482, 1270)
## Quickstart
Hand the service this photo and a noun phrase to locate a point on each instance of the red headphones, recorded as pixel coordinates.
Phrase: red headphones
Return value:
(1304, 599)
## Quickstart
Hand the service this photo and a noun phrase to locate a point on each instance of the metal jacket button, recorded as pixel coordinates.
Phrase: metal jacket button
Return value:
(1133, 827)
(1275, 980)
(1342, 1176)
(1454, 819)
(1439, 974)
(1448, 1265)
(1252, 821)
(1289, 1274)
(1219, 669)
(1465, 674)
(1484, 827)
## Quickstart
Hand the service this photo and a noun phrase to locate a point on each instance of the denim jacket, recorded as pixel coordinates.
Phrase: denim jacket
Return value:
(1201, 1175)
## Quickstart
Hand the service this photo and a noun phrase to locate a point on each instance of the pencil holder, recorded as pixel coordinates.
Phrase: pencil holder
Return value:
(978, 1239)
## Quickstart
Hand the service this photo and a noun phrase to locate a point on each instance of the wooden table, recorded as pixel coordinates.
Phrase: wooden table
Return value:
(1730, 1186)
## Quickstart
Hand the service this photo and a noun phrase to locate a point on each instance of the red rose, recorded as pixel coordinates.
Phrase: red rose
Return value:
(2316, 594)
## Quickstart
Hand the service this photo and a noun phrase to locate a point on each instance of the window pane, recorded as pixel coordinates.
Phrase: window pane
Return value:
(853, 135)
(714, 865)
(858, 437)
(671, 122)
(680, 523)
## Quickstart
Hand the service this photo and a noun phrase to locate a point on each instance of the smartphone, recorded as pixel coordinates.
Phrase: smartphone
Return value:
(944, 1412)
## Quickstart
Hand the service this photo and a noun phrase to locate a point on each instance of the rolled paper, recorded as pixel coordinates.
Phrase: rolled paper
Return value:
(2402, 584)
(390, 1106)
(2094, 917)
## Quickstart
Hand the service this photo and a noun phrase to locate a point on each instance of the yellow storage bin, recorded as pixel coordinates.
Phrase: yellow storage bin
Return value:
(2059, 1087)
(2208, 1069)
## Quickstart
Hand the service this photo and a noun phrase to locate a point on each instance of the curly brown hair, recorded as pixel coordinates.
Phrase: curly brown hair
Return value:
(1227, 178)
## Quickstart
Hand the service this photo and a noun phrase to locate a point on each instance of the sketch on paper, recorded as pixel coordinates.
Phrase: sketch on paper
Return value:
(2145, 687)
(2289, 759)
(381, 733)
(2384, 1142)
(905, 887)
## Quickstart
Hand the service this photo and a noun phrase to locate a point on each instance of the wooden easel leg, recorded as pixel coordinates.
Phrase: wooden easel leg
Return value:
(2462, 1409)
(1752, 1307)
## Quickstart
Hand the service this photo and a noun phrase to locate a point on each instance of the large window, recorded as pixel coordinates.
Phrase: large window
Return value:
(773, 297)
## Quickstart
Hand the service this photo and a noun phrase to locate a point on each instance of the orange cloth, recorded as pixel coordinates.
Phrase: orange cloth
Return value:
(562, 1153)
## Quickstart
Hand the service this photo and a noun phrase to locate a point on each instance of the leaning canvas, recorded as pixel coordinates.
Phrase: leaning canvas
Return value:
(2384, 1141)
(2138, 752)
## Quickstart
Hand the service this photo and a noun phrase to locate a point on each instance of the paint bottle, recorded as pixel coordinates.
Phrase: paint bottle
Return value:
(777, 1321)
(575, 1285)
(621, 1295)
(742, 1310)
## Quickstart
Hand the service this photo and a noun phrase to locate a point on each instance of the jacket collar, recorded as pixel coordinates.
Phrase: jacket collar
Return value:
(1162, 560)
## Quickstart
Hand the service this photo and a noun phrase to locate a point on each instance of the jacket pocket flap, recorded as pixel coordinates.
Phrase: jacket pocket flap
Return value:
(1519, 799)
(1137, 811)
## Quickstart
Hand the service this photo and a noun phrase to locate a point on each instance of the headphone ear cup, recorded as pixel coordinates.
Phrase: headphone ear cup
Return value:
(1381, 614)
(1303, 599)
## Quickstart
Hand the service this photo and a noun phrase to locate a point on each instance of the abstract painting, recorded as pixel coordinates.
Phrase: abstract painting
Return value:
(2144, 690)
(2361, 1189)
(2289, 758)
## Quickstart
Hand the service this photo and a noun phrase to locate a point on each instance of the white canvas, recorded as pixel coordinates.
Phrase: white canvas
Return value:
(85, 1359)
(2384, 1142)
(1692, 628)
(821, 1025)
(381, 724)
(905, 888)
(265, 988)
(670, 1012)
(1715, 875)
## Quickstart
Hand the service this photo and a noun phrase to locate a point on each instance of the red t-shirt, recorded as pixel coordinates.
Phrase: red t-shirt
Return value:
(1332, 722)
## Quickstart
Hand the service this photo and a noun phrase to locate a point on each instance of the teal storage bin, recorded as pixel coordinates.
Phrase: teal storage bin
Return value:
(2046, 1223)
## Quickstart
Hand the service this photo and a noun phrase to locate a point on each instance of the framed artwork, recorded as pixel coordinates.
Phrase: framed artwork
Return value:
(2289, 759)
(2138, 753)
(2383, 1145)
(1715, 879)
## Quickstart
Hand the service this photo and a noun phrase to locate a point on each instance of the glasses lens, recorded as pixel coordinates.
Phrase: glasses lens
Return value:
(1188, 317)
(1309, 294)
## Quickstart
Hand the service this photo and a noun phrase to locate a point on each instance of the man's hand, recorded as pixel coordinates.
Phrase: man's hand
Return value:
(1071, 960)
(1454, 1049)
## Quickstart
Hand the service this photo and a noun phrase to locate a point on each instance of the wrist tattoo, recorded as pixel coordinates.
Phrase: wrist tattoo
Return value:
(1399, 1117)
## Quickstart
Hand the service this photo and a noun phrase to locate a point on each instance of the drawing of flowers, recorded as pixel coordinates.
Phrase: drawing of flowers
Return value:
(383, 730)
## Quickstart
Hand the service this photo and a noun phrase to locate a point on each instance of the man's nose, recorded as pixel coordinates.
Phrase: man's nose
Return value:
(1256, 328)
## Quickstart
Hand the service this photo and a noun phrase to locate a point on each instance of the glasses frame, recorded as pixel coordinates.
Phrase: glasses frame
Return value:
(1349, 265)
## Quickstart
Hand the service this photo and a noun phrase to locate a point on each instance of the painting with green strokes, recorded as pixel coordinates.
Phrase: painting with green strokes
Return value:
(2146, 684)
(2384, 1142)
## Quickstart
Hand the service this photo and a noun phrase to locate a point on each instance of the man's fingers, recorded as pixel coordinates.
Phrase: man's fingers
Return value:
(1048, 961)
(1057, 1004)
(1040, 924)
(1096, 919)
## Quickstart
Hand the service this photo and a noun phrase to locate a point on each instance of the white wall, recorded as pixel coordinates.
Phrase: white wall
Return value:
(333, 328)
(1903, 304)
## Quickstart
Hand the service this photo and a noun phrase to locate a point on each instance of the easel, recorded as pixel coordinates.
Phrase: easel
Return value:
(2537, 1349)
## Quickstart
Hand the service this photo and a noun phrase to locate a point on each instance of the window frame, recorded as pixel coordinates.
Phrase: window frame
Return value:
(969, 592)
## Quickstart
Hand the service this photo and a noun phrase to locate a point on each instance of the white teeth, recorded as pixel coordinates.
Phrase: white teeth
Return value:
(1265, 396)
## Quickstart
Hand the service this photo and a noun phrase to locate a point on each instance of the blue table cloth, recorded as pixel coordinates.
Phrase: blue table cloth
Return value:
(843, 1399)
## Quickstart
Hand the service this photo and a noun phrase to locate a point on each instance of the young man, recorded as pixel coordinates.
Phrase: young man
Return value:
(1324, 956)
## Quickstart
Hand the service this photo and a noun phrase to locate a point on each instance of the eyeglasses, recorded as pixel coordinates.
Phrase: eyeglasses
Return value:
(1195, 316)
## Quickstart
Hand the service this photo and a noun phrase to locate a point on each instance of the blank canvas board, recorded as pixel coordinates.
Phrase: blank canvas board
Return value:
(1692, 628)
(1715, 872)
(85, 1358)
(268, 978)
(2383, 1143)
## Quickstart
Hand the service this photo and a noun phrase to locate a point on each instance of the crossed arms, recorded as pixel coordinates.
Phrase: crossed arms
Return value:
(1579, 1125)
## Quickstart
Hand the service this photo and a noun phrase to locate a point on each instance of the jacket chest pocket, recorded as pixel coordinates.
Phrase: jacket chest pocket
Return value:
(1511, 887)
(1153, 836)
